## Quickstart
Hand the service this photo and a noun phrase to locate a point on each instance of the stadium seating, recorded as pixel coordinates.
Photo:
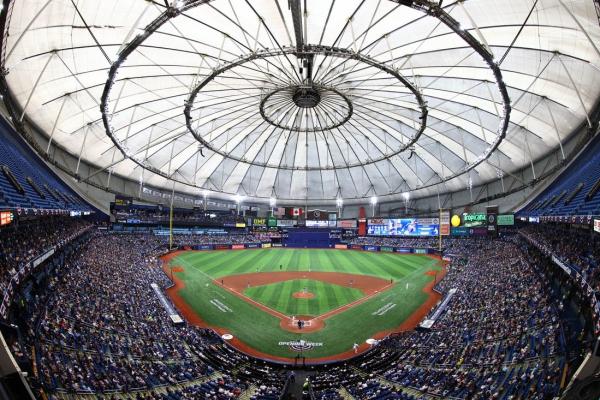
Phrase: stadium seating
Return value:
(25, 182)
(575, 191)
(101, 329)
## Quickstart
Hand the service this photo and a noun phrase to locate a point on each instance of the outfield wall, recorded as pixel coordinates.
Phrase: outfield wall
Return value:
(339, 246)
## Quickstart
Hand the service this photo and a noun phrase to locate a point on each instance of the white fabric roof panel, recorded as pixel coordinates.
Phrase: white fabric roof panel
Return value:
(256, 139)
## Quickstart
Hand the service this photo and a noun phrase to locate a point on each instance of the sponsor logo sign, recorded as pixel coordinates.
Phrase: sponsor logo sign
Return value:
(300, 345)
(285, 222)
(445, 223)
(346, 223)
(478, 219)
(506, 219)
(341, 246)
(387, 249)
(371, 248)
(252, 245)
(266, 245)
(259, 222)
(237, 246)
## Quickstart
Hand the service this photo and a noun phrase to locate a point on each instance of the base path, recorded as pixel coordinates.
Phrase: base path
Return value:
(369, 285)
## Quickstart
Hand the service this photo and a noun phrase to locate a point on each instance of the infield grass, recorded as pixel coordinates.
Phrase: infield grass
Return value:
(278, 296)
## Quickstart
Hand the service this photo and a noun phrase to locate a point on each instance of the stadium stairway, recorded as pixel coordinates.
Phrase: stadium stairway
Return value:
(295, 386)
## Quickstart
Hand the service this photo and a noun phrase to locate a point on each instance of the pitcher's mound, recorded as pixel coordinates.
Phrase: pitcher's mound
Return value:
(303, 295)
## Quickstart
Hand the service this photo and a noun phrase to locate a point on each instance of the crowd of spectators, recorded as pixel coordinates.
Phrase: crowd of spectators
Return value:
(450, 245)
(22, 244)
(579, 248)
(501, 337)
(197, 240)
(431, 242)
(150, 215)
(98, 327)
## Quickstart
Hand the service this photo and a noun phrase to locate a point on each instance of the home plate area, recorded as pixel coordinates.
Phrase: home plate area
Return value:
(302, 324)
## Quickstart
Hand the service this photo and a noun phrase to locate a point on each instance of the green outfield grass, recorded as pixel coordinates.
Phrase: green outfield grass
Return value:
(260, 330)
(327, 296)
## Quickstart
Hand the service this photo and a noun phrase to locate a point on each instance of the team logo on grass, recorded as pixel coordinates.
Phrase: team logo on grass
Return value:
(301, 345)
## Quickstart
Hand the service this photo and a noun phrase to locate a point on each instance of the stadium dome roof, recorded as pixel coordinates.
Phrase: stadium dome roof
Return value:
(306, 99)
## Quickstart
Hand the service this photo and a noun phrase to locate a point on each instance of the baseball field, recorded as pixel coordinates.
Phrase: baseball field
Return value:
(321, 303)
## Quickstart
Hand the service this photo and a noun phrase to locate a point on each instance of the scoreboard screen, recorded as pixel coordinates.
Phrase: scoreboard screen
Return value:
(404, 227)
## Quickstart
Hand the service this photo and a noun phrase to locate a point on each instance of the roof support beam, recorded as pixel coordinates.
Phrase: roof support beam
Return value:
(583, 30)
(62, 104)
(31, 22)
(587, 116)
(87, 130)
(35, 85)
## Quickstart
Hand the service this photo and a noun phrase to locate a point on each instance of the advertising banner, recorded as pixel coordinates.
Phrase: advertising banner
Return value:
(371, 248)
(341, 246)
(221, 246)
(478, 231)
(347, 223)
(237, 246)
(356, 247)
(506, 219)
(492, 220)
(266, 245)
(317, 224)
(272, 222)
(204, 247)
(460, 231)
(597, 225)
(403, 250)
(470, 220)
(285, 222)
(252, 245)
(6, 217)
(317, 215)
(387, 249)
(259, 222)
(445, 223)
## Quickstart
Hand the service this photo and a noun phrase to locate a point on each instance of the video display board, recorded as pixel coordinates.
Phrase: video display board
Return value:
(403, 227)
(6, 217)
(506, 219)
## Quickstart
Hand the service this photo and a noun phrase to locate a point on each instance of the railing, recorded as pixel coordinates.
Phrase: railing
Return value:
(23, 273)
(573, 271)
